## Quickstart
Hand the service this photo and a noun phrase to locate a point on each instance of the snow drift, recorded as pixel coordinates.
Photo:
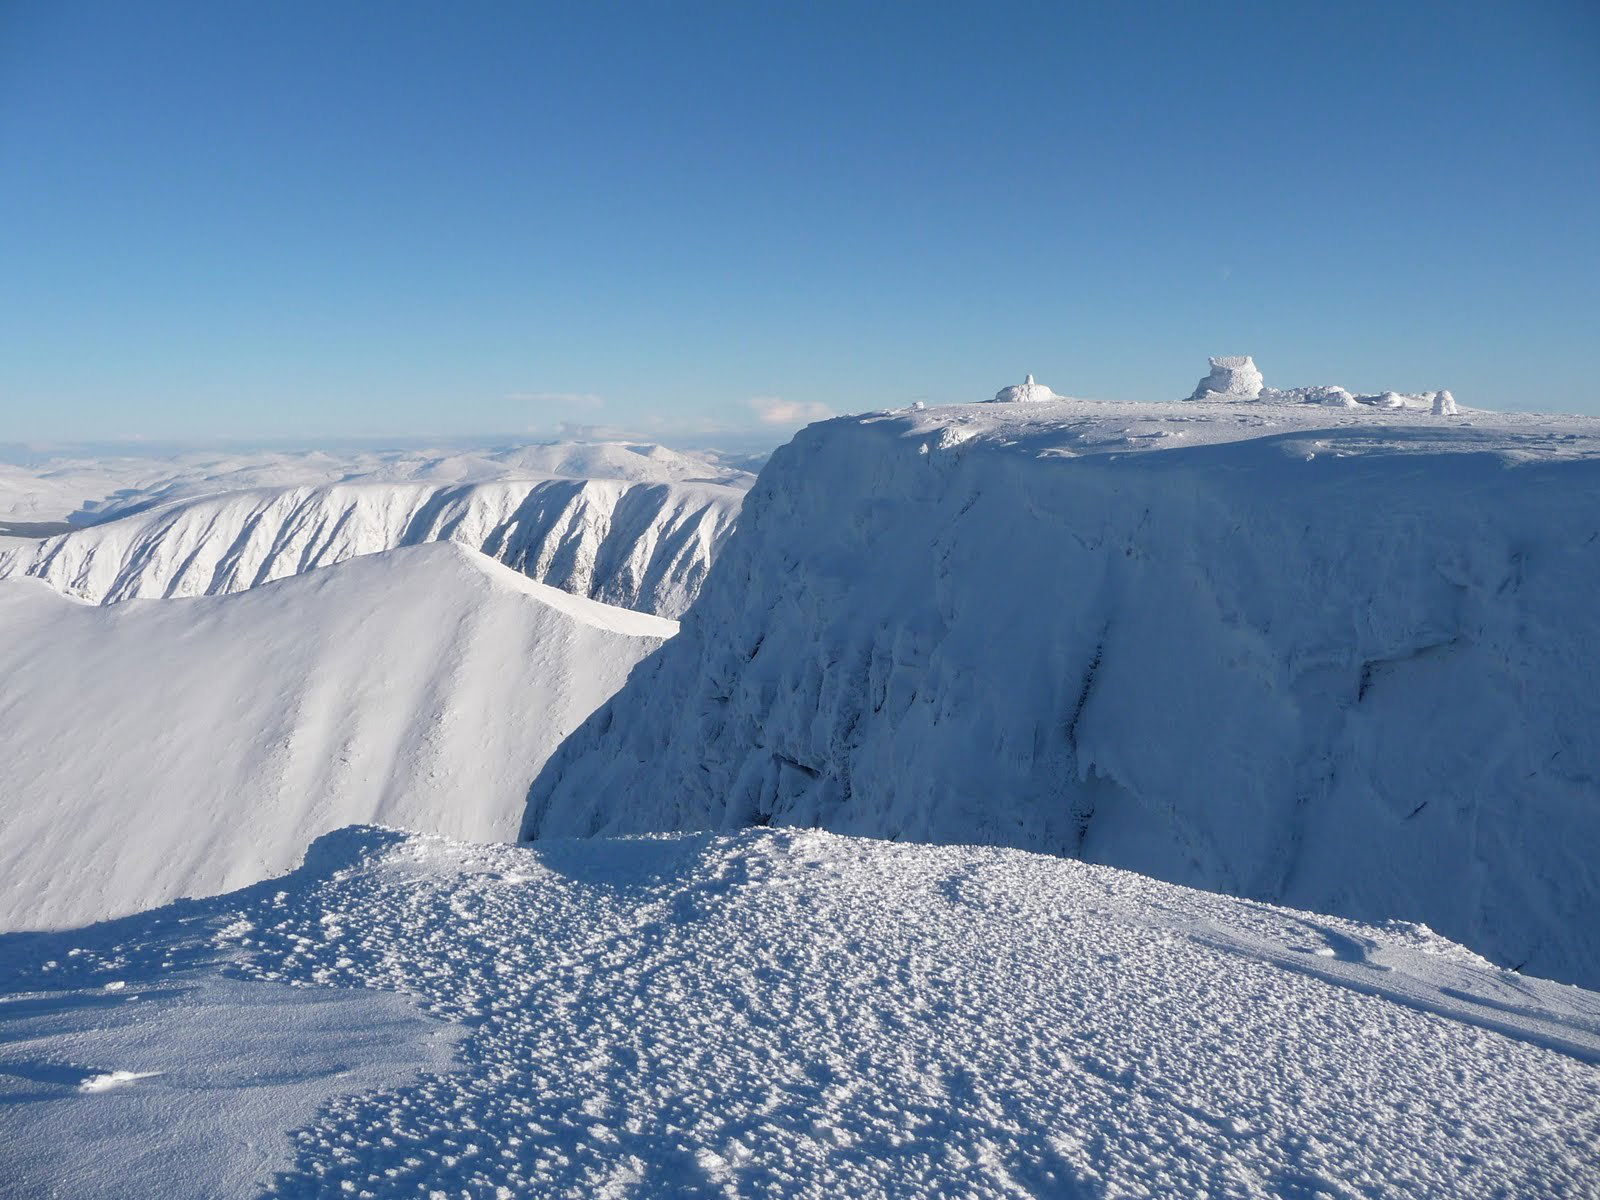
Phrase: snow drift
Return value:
(777, 1014)
(161, 749)
(1339, 659)
(645, 546)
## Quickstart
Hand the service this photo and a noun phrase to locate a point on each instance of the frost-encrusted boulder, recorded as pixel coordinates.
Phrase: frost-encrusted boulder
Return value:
(1233, 377)
(1444, 404)
(1026, 392)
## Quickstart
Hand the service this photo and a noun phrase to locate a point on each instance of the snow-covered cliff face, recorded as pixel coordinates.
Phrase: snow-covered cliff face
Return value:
(645, 546)
(1341, 660)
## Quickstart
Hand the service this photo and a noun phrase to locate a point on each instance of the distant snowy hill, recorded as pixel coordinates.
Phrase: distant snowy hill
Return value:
(1335, 657)
(155, 749)
(98, 488)
(777, 1014)
(638, 545)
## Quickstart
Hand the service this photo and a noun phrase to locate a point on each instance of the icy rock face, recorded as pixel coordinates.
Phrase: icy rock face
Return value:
(645, 546)
(1349, 672)
(1026, 392)
(1233, 377)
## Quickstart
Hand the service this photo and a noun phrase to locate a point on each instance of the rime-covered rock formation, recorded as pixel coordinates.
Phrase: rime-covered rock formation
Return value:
(1027, 392)
(645, 546)
(1336, 658)
(1232, 377)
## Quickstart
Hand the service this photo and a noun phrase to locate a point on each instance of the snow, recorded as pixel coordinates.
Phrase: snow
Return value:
(1231, 377)
(156, 749)
(1027, 392)
(1337, 658)
(778, 1013)
(93, 489)
(639, 545)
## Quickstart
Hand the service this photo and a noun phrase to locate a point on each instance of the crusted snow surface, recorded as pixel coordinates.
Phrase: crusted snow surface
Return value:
(794, 1013)
(156, 749)
(645, 546)
(1337, 658)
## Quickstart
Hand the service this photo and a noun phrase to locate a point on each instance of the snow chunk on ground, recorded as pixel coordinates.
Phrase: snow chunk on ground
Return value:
(796, 1014)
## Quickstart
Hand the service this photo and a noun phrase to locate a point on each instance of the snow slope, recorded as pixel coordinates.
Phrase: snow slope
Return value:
(181, 747)
(1340, 659)
(637, 545)
(783, 1014)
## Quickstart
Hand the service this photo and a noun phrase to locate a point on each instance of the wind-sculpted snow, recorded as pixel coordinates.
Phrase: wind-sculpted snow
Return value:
(1338, 659)
(157, 749)
(795, 1014)
(637, 545)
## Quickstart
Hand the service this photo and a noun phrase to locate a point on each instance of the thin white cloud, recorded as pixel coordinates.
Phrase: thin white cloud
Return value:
(584, 401)
(775, 410)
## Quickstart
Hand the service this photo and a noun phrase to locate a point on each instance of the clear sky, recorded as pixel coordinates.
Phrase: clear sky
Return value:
(361, 218)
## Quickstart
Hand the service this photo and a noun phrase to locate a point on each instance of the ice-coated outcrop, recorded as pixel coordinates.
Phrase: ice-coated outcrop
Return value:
(1335, 659)
(645, 546)
(1025, 392)
(1232, 377)
(1444, 404)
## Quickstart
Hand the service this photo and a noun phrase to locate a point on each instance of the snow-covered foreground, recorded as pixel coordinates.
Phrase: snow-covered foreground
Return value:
(777, 1013)
(1336, 658)
(162, 748)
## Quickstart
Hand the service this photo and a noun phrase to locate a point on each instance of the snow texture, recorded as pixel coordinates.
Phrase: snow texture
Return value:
(783, 1014)
(156, 749)
(645, 546)
(1334, 658)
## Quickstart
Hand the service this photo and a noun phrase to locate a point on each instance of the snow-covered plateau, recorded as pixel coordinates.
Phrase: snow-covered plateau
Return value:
(1335, 657)
(164, 748)
(775, 1014)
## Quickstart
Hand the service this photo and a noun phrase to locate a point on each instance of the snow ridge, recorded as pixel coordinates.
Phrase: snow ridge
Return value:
(645, 546)
(1332, 658)
(157, 749)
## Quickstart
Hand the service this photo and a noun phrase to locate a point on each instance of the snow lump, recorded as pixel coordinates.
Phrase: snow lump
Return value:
(1025, 392)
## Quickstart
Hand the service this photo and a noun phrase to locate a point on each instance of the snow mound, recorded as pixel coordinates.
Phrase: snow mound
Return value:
(1232, 377)
(636, 545)
(1027, 392)
(155, 750)
(795, 1014)
(1337, 658)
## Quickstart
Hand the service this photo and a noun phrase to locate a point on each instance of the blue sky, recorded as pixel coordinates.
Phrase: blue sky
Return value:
(369, 219)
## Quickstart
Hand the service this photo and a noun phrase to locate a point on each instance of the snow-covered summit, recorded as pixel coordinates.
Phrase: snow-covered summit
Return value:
(1333, 657)
(1025, 392)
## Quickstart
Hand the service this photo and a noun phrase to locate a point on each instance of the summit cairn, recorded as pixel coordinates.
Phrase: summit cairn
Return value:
(1025, 392)
(1444, 404)
(1233, 377)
